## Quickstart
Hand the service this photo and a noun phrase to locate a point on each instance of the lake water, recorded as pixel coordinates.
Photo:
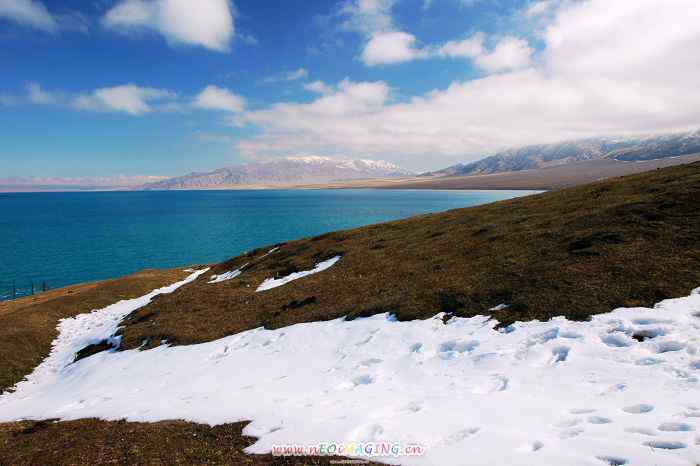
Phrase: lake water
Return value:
(66, 238)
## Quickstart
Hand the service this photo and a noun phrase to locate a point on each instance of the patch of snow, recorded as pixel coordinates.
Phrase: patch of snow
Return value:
(227, 275)
(467, 393)
(271, 283)
(500, 307)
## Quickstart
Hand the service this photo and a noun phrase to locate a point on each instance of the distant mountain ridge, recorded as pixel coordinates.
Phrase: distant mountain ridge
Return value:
(551, 155)
(290, 170)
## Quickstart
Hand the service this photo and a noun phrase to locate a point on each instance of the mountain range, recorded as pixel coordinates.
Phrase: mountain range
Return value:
(290, 170)
(564, 153)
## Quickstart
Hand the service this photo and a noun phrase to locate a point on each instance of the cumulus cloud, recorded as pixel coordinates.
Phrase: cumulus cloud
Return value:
(471, 47)
(510, 53)
(128, 98)
(606, 67)
(392, 47)
(217, 98)
(384, 44)
(205, 23)
(30, 13)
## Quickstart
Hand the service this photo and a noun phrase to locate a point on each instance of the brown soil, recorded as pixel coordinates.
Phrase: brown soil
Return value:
(575, 252)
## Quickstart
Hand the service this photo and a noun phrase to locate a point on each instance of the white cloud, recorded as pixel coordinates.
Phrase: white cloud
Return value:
(610, 68)
(30, 13)
(368, 16)
(295, 75)
(318, 87)
(510, 53)
(471, 47)
(37, 95)
(217, 98)
(392, 47)
(206, 23)
(128, 98)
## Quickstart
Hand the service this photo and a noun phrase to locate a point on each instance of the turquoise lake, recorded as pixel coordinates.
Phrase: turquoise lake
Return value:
(67, 238)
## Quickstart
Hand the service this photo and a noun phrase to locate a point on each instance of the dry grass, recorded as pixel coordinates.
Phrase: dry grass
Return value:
(28, 325)
(575, 252)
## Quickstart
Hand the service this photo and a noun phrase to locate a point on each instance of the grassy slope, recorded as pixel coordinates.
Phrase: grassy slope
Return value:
(28, 325)
(576, 252)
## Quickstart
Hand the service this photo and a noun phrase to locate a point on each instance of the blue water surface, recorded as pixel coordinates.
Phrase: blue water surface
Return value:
(67, 238)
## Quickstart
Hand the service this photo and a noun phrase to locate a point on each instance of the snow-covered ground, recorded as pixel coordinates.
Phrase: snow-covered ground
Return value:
(271, 283)
(554, 393)
(226, 276)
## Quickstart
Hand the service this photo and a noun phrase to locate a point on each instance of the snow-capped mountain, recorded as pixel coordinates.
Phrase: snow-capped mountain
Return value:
(549, 155)
(290, 170)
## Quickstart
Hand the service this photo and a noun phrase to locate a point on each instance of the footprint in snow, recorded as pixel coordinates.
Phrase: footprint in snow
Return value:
(669, 346)
(675, 427)
(613, 460)
(531, 447)
(566, 423)
(559, 354)
(364, 379)
(599, 420)
(648, 361)
(460, 436)
(370, 362)
(617, 340)
(652, 321)
(571, 433)
(412, 407)
(416, 348)
(638, 409)
(665, 444)
(578, 411)
(496, 383)
(453, 348)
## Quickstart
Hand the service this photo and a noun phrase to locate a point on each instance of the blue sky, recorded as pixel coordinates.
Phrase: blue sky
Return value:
(118, 87)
